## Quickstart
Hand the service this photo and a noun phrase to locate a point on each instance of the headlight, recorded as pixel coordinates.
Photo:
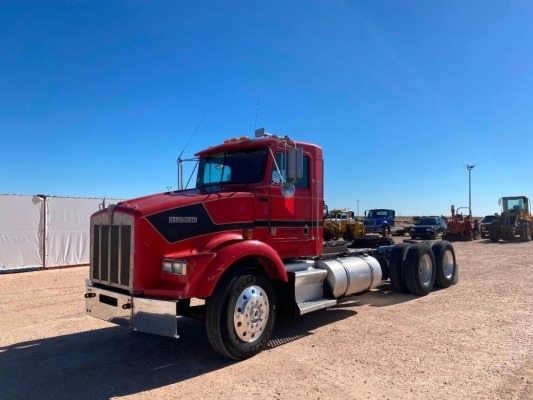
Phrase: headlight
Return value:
(178, 267)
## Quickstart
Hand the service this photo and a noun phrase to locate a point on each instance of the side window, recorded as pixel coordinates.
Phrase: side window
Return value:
(280, 176)
(303, 182)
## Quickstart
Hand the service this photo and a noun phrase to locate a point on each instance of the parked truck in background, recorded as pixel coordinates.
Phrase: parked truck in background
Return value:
(382, 221)
(242, 247)
(485, 224)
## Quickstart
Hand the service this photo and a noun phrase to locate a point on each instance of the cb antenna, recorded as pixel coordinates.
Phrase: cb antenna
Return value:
(256, 112)
(179, 160)
(192, 135)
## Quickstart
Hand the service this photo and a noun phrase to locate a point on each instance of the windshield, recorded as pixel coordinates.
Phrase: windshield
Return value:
(232, 167)
(513, 205)
(427, 221)
(377, 214)
(488, 219)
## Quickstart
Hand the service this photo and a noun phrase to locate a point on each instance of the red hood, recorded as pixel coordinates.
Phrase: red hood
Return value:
(156, 203)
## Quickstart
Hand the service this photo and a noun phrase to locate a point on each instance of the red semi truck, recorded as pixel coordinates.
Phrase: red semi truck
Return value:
(245, 245)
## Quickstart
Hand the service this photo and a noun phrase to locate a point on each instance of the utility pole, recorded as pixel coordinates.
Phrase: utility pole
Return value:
(470, 167)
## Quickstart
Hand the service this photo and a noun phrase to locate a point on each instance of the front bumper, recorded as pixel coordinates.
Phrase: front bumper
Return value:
(139, 314)
(422, 233)
(373, 229)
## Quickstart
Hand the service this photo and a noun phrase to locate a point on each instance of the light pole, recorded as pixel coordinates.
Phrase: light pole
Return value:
(357, 207)
(470, 167)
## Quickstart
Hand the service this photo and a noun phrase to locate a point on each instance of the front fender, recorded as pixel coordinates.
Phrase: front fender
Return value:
(230, 253)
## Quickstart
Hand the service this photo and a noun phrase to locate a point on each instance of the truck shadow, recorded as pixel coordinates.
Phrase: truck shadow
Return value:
(114, 362)
(383, 296)
(104, 363)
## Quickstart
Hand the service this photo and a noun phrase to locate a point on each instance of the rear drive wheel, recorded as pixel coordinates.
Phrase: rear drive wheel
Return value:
(419, 269)
(240, 315)
(396, 262)
(446, 265)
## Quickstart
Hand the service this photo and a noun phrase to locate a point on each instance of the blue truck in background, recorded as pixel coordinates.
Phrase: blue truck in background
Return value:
(380, 220)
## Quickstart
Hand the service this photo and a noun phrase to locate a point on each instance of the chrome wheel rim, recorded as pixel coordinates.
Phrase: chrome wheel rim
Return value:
(425, 269)
(447, 264)
(251, 313)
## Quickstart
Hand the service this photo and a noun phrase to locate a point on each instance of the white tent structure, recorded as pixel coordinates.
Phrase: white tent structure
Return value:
(39, 232)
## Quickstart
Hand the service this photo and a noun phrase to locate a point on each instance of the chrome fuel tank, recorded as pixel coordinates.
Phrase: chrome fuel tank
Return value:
(350, 275)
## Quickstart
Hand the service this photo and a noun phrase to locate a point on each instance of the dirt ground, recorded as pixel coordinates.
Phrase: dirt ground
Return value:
(471, 341)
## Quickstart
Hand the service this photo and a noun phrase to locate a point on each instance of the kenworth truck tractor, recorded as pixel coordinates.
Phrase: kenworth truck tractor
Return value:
(242, 247)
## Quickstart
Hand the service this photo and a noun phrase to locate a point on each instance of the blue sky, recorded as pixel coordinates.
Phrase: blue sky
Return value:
(98, 98)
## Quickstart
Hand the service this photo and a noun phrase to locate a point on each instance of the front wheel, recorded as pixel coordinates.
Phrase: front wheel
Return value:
(524, 234)
(240, 315)
(494, 235)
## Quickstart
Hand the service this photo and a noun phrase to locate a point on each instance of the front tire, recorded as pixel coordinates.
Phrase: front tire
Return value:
(494, 235)
(240, 315)
(524, 236)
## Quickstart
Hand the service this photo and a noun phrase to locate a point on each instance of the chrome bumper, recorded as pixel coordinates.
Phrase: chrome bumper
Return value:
(139, 314)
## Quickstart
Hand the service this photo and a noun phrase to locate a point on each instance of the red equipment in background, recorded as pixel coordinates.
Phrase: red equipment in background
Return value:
(460, 225)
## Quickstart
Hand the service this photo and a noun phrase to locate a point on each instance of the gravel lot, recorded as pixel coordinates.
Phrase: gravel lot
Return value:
(471, 341)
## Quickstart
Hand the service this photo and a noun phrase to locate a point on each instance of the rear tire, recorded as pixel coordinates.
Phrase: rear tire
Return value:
(240, 315)
(445, 262)
(419, 269)
(396, 263)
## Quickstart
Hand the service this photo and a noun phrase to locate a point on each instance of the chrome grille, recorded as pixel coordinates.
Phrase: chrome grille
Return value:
(111, 258)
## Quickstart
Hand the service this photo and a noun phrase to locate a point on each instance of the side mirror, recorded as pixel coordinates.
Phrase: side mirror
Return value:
(296, 163)
(288, 190)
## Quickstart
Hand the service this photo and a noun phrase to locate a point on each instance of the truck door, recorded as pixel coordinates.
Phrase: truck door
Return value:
(290, 218)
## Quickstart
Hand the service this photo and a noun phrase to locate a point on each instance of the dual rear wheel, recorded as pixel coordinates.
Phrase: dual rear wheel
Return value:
(417, 268)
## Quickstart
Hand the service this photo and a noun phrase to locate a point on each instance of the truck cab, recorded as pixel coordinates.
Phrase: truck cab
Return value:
(379, 220)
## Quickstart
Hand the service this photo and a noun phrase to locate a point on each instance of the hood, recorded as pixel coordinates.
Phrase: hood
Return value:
(157, 203)
(190, 213)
